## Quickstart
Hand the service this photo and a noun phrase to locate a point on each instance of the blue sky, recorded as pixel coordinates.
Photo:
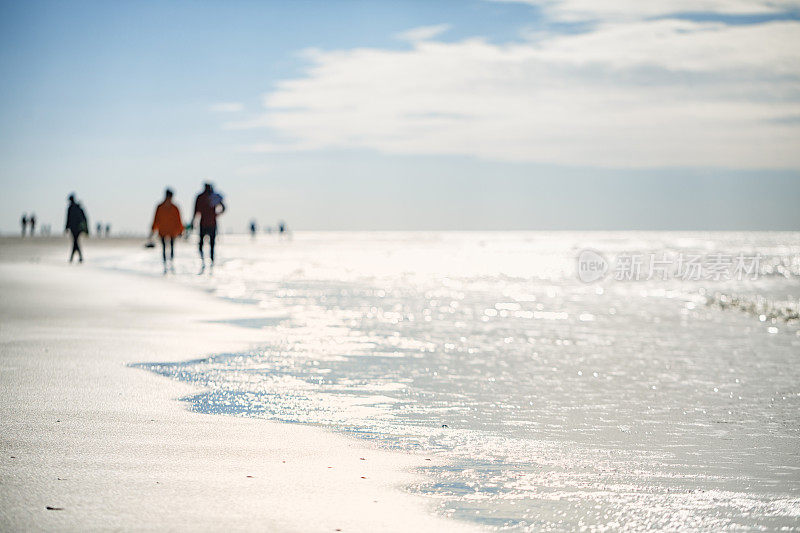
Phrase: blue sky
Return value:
(406, 115)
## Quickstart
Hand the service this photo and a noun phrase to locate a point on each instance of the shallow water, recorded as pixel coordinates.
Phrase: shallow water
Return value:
(560, 405)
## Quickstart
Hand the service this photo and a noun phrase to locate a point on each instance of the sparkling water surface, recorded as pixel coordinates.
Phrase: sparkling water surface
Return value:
(558, 405)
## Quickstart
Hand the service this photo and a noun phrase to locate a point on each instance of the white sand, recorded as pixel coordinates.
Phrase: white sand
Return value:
(113, 447)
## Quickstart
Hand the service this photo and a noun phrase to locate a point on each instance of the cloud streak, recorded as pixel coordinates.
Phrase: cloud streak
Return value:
(423, 33)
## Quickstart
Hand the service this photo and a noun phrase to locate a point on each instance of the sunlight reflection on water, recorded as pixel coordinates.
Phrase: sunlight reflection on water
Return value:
(560, 405)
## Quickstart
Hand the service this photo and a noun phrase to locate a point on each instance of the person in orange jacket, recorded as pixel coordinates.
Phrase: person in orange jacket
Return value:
(168, 223)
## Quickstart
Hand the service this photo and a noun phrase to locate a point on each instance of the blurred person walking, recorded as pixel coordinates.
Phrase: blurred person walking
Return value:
(169, 225)
(208, 206)
(24, 222)
(76, 224)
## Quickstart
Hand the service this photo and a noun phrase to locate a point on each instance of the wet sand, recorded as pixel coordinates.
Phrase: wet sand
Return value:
(87, 442)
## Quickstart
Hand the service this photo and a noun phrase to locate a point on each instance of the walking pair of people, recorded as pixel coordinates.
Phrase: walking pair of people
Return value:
(168, 223)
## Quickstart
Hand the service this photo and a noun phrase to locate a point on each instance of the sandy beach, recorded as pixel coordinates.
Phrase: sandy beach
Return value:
(88, 443)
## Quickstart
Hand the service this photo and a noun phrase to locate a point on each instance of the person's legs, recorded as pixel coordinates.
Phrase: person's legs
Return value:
(212, 237)
(200, 244)
(203, 234)
(76, 247)
(172, 248)
(163, 249)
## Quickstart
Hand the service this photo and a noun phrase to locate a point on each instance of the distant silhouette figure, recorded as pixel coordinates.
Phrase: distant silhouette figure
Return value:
(99, 230)
(253, 228)
(208, 206)
(167, 221)
(24, 222)
(76, 224)
(108, 229)
(283, 230)
(32, 222)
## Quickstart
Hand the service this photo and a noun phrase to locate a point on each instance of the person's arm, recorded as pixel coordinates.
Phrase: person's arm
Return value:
(222, 205)
(179, 219)
(154, 226)
(84, 220)
(196, 212)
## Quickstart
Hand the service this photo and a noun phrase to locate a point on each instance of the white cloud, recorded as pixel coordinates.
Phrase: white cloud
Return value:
(644, 93)
(605, 10)
(423, 33)
(678, 45)
(227, 107)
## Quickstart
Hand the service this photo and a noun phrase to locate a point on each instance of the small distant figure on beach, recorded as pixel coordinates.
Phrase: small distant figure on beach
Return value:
(24, 222)
(99, 230)
(32, 222)
(283, 230)
(169, 225)
(108, 229)
(76, 224)
(208, 206)
(253, 229)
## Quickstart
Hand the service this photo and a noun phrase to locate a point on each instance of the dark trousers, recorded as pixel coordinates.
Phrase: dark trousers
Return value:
(212, 236)
(164, 248)
(76, 247)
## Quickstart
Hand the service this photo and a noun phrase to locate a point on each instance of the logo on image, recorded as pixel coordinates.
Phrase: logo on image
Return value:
(591, 266)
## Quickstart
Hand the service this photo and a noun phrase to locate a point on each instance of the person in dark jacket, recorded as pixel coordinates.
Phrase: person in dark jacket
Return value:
(76, 224)
(208, 206)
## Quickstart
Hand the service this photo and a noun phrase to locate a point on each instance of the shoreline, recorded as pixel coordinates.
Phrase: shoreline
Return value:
(111, 446)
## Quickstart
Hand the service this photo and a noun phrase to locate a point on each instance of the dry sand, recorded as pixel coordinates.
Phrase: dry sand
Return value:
(112, 448)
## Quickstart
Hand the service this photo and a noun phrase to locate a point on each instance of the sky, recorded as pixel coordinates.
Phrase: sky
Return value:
(406, 115)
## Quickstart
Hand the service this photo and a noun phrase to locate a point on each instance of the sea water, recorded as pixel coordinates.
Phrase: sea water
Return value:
(668, 401)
